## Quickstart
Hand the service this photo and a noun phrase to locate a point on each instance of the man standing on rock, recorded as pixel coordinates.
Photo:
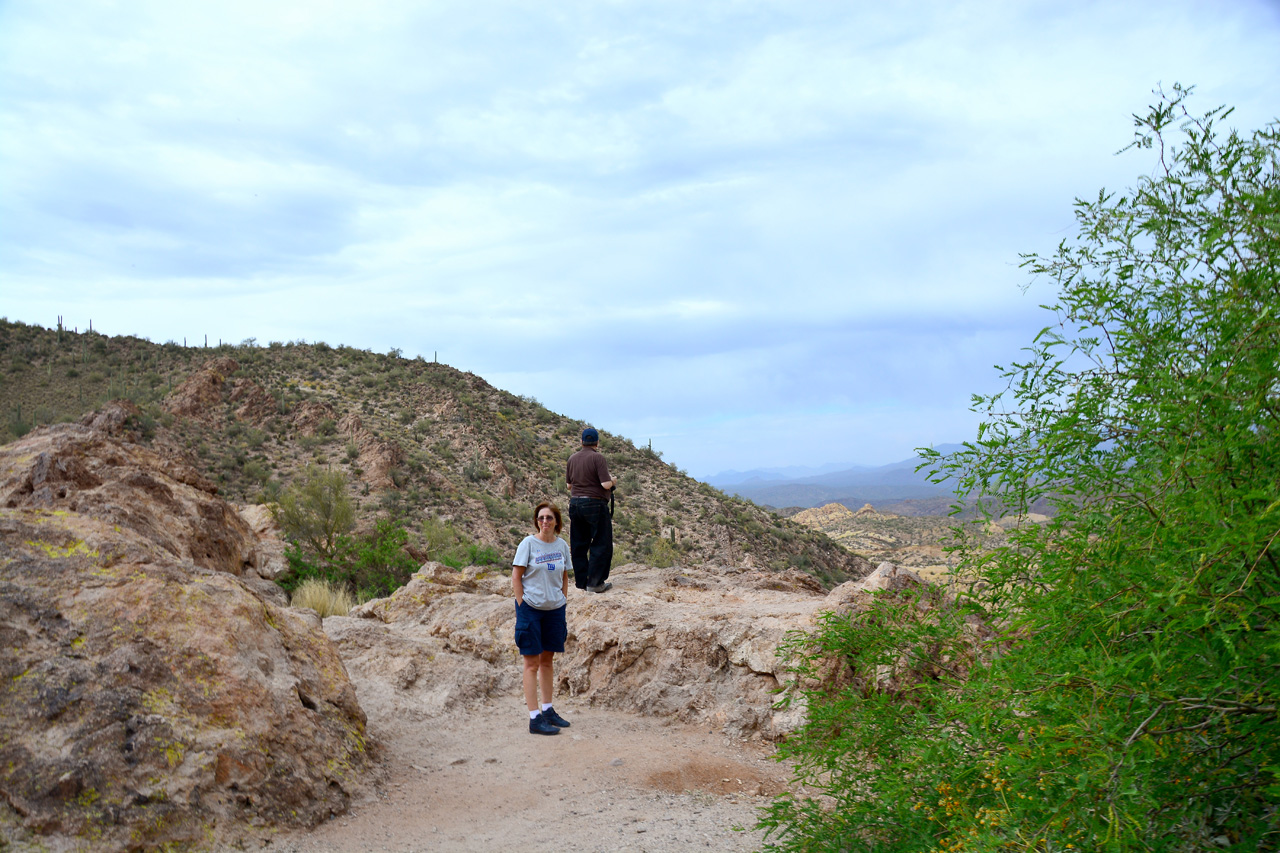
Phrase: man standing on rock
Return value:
(590, 527)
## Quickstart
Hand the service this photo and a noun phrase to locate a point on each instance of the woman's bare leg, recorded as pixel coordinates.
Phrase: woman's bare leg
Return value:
(531, 669)
(544, 678)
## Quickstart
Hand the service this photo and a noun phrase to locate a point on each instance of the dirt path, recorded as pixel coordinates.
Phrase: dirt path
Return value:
(478, 781)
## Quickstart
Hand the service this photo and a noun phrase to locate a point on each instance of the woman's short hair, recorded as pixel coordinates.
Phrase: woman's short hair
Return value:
(554, 509)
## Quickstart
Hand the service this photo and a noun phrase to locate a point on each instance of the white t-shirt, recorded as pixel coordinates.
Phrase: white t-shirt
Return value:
(544, 565)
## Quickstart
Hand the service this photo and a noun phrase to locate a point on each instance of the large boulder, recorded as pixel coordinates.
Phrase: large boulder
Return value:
(152, 696)
(92, 469)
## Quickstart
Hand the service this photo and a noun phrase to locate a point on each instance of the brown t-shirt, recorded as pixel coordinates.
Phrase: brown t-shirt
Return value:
(584, 473)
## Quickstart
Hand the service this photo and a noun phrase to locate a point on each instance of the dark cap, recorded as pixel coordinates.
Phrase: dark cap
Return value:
(590, 436)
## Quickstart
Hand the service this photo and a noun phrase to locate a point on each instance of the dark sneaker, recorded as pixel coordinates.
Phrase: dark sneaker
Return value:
(539, 726)
(601, 588)
(555, 719)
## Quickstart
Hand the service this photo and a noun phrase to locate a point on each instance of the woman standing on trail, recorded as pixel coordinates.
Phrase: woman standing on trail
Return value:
(540, 579)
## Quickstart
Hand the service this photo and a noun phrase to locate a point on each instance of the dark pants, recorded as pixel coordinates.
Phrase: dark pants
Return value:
(590, 541)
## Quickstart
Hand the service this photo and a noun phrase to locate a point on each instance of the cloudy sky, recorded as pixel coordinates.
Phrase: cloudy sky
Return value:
(755, 232)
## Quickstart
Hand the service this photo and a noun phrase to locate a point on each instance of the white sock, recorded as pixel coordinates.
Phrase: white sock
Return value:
(546, 706)
(533, 715)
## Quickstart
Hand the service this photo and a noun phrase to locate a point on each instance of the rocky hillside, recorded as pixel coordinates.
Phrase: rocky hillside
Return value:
(918, 541)
(421, 442)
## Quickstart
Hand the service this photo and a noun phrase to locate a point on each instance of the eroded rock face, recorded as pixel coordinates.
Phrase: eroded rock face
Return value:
(253, 402)
(268, 557)
(150, 695)
(77, 468)
(377, 458)
(200, 396)
(697, 645)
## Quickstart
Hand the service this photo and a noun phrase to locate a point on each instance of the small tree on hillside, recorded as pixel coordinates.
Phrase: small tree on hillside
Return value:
(1136, 704)
(317, 511)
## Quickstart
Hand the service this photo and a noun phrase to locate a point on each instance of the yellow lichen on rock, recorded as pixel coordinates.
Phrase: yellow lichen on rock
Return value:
(60, 552)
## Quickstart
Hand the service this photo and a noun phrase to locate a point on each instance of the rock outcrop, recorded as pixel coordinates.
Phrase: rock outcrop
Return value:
(253, 403)
(378, 459)
(152, 696)
(200, 395)
(696, 645)
(821, 517)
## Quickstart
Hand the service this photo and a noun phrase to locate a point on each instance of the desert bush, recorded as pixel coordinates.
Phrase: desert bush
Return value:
(659, 552)
(317, 511)
(1135, 704)
(476, 470)
(378, 562)
(473, 554)
(323, 597)
(270, 492)
(257, 472)
(369, 566)
(438, 538)
(629, 484)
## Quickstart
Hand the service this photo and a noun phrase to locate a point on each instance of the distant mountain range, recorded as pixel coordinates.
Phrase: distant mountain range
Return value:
(851, 485)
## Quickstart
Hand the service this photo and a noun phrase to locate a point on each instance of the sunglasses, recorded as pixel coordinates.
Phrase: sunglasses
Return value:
(546, 518)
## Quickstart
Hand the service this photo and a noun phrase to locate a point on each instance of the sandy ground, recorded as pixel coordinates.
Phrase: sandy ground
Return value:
(478, 781)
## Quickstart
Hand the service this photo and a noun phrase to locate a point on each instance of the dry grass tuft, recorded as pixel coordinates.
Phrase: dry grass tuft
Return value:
(323, 597)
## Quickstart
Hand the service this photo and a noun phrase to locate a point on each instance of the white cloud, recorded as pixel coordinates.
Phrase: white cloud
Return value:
(716, 225)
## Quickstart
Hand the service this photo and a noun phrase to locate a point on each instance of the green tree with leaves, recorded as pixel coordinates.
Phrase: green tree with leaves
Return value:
(317, 510)
(1130, 697)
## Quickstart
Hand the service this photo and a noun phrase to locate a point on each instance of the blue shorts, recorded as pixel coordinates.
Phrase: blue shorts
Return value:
(539, 631)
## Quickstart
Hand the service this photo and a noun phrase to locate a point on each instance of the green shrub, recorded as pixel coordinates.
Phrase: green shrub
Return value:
(660, 553)
(379, 564)
(317, 510)
(257, 472)
(1133, 702)
(476, 470)
(473, 554)
(370, 566)
(629, 484)
(438, 538)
